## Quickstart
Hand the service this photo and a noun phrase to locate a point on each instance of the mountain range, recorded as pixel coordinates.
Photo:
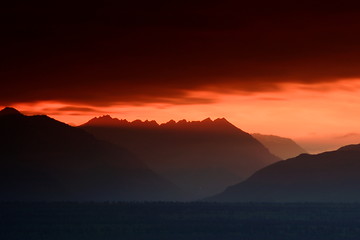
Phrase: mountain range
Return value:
(44, 159)
(201, 157)
(326, 177)
(282, 147)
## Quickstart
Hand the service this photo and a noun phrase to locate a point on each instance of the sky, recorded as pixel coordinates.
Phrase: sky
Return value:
(288, 68)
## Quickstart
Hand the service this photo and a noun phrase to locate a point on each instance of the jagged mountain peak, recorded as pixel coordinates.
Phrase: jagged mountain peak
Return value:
(107, 120)
(207, 120)
(223, 120)
(202, 157)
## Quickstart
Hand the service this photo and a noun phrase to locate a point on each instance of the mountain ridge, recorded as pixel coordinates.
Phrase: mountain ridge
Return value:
(280, 146)
(326, 177)
(45, 159)
(107, 120)
(201, 156)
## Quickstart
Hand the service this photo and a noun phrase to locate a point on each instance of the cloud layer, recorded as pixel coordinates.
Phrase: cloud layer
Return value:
(158, 52)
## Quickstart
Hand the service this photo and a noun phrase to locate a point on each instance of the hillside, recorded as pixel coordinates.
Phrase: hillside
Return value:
(44, 159)
(326, 177)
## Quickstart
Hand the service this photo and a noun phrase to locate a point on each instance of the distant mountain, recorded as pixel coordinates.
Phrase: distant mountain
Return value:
(279, 146)
(43, 159)
(202, 157)
(326, 177)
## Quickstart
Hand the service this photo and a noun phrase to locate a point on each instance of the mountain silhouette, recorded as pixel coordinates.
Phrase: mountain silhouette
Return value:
(279, 146)
(9, 111)
(44, 159)
(326, 177)
(202, 157)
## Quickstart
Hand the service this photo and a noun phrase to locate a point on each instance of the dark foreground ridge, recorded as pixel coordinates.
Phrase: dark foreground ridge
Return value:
(44, 159)
(326, 177)
(179, 221)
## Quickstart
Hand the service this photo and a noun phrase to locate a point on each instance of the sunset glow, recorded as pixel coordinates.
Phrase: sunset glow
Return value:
(214, 120)
(279, 69)
(303, 112)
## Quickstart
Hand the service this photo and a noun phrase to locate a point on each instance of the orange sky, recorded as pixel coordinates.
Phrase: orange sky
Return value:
(320, 116)
(290, 68)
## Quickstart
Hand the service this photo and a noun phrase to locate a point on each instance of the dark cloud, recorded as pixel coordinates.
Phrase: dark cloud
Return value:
(155, 51)
(75, 109)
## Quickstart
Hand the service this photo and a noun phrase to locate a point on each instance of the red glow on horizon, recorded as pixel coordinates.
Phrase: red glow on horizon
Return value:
(297, 111)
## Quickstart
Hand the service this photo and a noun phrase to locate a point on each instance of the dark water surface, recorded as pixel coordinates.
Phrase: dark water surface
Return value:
(172, 221)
